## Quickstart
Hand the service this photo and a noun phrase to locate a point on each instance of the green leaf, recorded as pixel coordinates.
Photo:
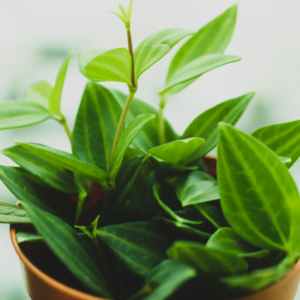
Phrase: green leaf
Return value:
(155, 47)
(257, 187)
(164, 280)
(225, 239)
(39, 92)
(140, 245)
(128, 135)
(148, 136)
(210, 261)
(285, 160)
(66, 160)
(283, 139)
(25, 237)
(71, 248)
(112, 65)
(85, 57)
(20, 114)
(55, 98)
(169, 211)
(13, 214)
(196, 187)
(52, 174)
(196, 68)
(121, 17)
(206, 124)
(177, 152)
(212, 38)
(96, 125)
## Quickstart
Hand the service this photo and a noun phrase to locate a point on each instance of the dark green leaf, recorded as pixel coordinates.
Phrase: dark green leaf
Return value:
(155, 47)
(196, 187)
(209, 261)
(283, 139)
(95, 127)
(52, 174)
(148, 136)
(13, 214)
(140, 245)
(164, 280)
(206, 124)
(225, 239)
(71, 248)
(25, 237)
(20, 114)
(177, 152)
(39, 92)
(55, 98)
(258, 195)
(112, 65)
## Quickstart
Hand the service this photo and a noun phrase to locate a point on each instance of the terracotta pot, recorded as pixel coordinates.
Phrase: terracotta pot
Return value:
(42, 287)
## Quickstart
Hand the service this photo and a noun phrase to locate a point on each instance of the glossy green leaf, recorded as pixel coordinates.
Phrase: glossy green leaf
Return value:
(196, 68)
(212, 38)
(112, 65)
(258, 195)
(196, 187)
(96, 125)
(177, 152)
(55, 98)
(20, 114)
(52, 174)
(75, 252)
(206, 124)
(66, 160)
(85, 57)
(39, 92)
(225, 239)
(209, 261)
(140, 245)
(164, 280)
(25, 237)
(155, 47)
(283, 139)
(13, 214)
(148, 136)
(128, 135)
(169, 211)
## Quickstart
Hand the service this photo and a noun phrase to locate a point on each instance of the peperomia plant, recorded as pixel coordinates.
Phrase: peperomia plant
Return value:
(137, 211)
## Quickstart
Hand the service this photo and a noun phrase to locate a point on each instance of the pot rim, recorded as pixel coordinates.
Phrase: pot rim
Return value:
(44, 277)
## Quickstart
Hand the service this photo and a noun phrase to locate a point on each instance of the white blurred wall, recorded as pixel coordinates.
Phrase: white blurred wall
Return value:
(35, 36)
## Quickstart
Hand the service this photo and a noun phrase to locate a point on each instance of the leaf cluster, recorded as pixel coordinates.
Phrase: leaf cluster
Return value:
(133, 217)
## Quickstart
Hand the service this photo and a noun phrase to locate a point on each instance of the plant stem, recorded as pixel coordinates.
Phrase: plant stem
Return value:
(130, 48)
(161, 120)
(66, 127)
(120, 126)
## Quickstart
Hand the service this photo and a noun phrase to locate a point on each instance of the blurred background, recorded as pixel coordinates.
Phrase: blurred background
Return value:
(36, 36)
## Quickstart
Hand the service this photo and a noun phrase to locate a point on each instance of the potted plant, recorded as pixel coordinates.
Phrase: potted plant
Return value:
(137, 211)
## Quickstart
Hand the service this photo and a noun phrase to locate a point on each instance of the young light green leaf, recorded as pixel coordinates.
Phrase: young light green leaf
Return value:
(25, 237)
(52, 174)
(258, 195)
(212, 38)
(39, 92)
(96, 125)
(196, 187)
(128, 135)
(112, 65)
(129, 11)
(209, 261)
(19, 114)
(206, 124)
(141, 245)
(225, 239)
(82, 262)
(86, 56)
(195, 69)
(283, 139)
(177, 152)
(121, 17)
(55, 98)
(66, 160)
(164, 280)
(169, 211)
(155, 47)
(13, 214)
(148, 136)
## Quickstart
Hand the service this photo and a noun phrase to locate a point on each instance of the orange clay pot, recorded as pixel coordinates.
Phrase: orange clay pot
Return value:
(42, 287)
